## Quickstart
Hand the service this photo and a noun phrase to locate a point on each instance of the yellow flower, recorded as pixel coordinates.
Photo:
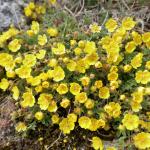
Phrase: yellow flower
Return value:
(142, 140)
(113, 109)
(81, 66)
(41, 54)
(55, 119)
(145, 124)
(128, 23)
(137, 38)
(92, 58)
(112, 76)
(50, 74)
(117, 37)
(121, 31)
(29, 60)
(28, 99)
(130, 47)
(141, 90)
(10, 74)
(98, 84)
(135, 106)
(66, 126)
(34, 81)
(53, 62)
(104, 92)
(52, 106)
(38, 88)
(146, 37)
(96, 124)
(89, 104)
(147, 91)
(105, 42)
(73, 42)
(97, 143)
(39, 115)
(121, 127)
(45, 84)
(137, 96)
(85, 81)
(4, 84)
(16, 92)
(137, 60)
(122, 97)
(42, 39)
(43, 76)
(119, 59)
(58, 74)
(77, 110)
(90, 47)
(112, 57)
(18, 60)
(111, 25)
(93, 88)
(78, 51)
(113, 47)
(23, 71)
(114, 84)
(21, 127)
(35, 27)
(127, 68)
(7, 35)
(81, 97)
(142, 77)
(130, 121)
(65, 103)
(114, 68)
(40, 9)
(53, 32)
(27, 11)
(31, 5)
(101, 123)
(72, 117)
(65, 59)
(84, 122)
(44, 100)
(30, 33)
(95, 28)
(81, 44)
(62, 88)
(147, 65)
(59, 49)
(98, 64)
(6, 60)
(75, 88)
(90, 112)
(14, 45)
(148, 44)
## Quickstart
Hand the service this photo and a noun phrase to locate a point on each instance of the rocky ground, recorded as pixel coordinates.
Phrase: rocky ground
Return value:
(11, 13)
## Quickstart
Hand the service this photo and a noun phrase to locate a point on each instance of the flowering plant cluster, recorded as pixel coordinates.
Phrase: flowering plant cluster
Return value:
(34, 10)
(99, 82)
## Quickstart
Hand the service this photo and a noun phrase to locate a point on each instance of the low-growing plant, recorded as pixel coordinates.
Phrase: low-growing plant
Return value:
(97, 80)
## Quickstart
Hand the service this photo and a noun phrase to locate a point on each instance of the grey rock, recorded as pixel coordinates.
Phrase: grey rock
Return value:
(11, 12)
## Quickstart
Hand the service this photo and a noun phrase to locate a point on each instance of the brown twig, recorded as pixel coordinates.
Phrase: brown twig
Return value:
(55, 141)
(124, 3)
(82, 7)
(69, 11)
